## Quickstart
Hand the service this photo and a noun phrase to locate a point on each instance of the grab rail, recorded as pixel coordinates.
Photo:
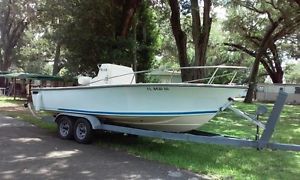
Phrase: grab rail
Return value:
(211, 79)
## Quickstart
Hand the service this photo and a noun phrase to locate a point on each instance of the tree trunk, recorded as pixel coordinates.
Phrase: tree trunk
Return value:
(129, 9)
(134, 49)
(252, 82)
(56, 65)
(277, 77)
(11, 30)
(6, 63)
(2, 79)
(200, 35)
(180, 38)
(196, 31)
(262, 49)
(271, 65)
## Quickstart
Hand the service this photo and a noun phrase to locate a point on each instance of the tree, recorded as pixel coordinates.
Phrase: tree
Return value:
(260, 27)
(93, 32)
(33, 52)
(146, 38)
(129, 9)
(91, 36)
(59, 17)
(180, 38)
(292, 73)
(15, 15)
(216, 52)
(200, 34)
(55, 16)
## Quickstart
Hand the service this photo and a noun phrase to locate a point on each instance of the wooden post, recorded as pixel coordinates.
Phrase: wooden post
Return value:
(28, 91)
(15, 82)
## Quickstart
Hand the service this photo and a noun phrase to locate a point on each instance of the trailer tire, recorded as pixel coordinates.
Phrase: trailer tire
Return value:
(65, 127)
(83, 131)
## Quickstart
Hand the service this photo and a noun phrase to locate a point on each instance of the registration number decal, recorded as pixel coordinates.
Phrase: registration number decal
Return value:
(158, 88)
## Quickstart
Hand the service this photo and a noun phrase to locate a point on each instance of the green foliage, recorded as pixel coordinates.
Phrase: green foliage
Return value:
(14, 19)
(248, 21)
(91, 37)
(166, 56)
(82, 34)
(83, 29)
(34, 52)
(147, 37)
(217, 53)
(292, 73)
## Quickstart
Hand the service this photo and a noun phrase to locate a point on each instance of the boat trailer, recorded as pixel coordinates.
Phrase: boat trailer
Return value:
(81, 126)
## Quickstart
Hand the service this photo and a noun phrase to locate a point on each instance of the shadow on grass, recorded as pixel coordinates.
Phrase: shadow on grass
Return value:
(287, 129)
(224, 161)
(210, 159)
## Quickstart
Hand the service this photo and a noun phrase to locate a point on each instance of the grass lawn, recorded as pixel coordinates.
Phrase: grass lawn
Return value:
(220, 162)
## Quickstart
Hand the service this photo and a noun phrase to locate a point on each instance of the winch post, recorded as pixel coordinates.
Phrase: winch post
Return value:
(273, 118)
(257, 132)
(261, 110)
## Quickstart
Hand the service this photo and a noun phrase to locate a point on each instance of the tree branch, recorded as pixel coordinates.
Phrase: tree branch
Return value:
(297, 1)
(266, 66)
(241, 48)
(274, 51)
(129, 9)
(287, 29)
(270, 62)
(272, 4)
(269, 17)
(17, 32)
(252, 8)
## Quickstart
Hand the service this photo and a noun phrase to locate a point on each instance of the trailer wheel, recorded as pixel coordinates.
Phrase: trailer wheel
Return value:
(65, 127)
(83, 132)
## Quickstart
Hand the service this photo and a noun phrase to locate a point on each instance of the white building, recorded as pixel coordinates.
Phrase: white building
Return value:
(269, 92)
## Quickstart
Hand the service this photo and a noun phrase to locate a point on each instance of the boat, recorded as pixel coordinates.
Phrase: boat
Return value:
(114, 97)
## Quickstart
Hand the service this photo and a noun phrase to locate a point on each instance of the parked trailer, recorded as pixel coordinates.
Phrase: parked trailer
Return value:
(81, 127)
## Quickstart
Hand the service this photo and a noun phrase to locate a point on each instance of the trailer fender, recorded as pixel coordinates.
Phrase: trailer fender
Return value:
(94, 121)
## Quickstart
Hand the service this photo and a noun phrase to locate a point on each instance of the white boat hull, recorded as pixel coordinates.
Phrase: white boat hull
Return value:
(166, 107)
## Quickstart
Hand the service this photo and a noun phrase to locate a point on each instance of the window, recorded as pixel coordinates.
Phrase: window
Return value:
(297, 90)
